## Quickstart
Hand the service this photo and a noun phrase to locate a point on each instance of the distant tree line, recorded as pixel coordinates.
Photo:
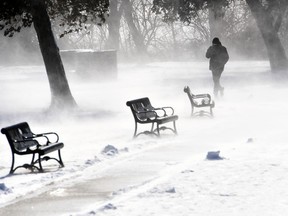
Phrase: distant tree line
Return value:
(180, 29)
(268, 14)
(148, 31)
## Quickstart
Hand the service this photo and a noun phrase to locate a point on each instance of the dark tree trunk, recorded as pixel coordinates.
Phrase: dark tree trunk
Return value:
(113, 22)
(136, 35)
(276, 53)
(61, 96)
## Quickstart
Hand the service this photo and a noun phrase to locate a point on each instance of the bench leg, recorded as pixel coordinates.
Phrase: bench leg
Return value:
(32, 161)
(135, 130)
(46, 158)
(152, 128)
(30, 166)
(175, 129)
(40, 164)
(12, 165)
(60, 159)
(192, 110)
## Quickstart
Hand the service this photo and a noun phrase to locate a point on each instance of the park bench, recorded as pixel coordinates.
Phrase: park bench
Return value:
(144, 113)
(200, 101)
(23, 142)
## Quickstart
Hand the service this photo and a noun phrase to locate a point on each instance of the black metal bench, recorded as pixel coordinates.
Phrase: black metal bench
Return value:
(200, 101)
(144, 113)
(23, 142)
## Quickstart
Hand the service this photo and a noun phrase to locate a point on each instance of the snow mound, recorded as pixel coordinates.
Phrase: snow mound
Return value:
(162, 190)
(250, 140)
(110, 150)
(4, 189)
(187, 171)
(213, 155)
(106, 207)
(92, 161)
(109, 206)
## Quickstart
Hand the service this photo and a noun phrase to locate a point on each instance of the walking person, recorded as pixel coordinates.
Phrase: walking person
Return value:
(218, 56)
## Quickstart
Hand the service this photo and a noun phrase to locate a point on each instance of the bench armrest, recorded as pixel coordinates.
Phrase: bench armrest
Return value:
(46, 136)
(163, 112)
(163, 109)
(202, 96)
(168, 108)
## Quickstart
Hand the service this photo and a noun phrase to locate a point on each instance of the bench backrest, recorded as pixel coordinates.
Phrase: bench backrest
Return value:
(190, 95)
(140, 105)
(199, 100)
(15, 135)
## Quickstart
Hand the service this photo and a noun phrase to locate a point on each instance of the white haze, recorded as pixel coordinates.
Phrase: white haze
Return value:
(175, 179)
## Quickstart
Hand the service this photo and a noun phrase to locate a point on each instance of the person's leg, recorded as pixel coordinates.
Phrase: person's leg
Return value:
(221, 88)
(217, 85)
(216, 80)
(222, 91)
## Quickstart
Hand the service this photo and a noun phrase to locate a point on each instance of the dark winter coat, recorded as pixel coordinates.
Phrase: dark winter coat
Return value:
(218, 57)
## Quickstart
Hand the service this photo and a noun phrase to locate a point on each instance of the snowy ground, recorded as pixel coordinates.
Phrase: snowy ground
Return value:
(248, 129)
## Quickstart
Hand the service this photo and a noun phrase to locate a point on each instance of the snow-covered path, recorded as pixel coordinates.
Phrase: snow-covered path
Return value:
(129, 172)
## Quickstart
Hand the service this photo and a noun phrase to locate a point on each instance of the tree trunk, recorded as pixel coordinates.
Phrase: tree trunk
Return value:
(276, 53)
(176, 54)
(216, 15)
(113, 22)
(136, 35)
(61, 97)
